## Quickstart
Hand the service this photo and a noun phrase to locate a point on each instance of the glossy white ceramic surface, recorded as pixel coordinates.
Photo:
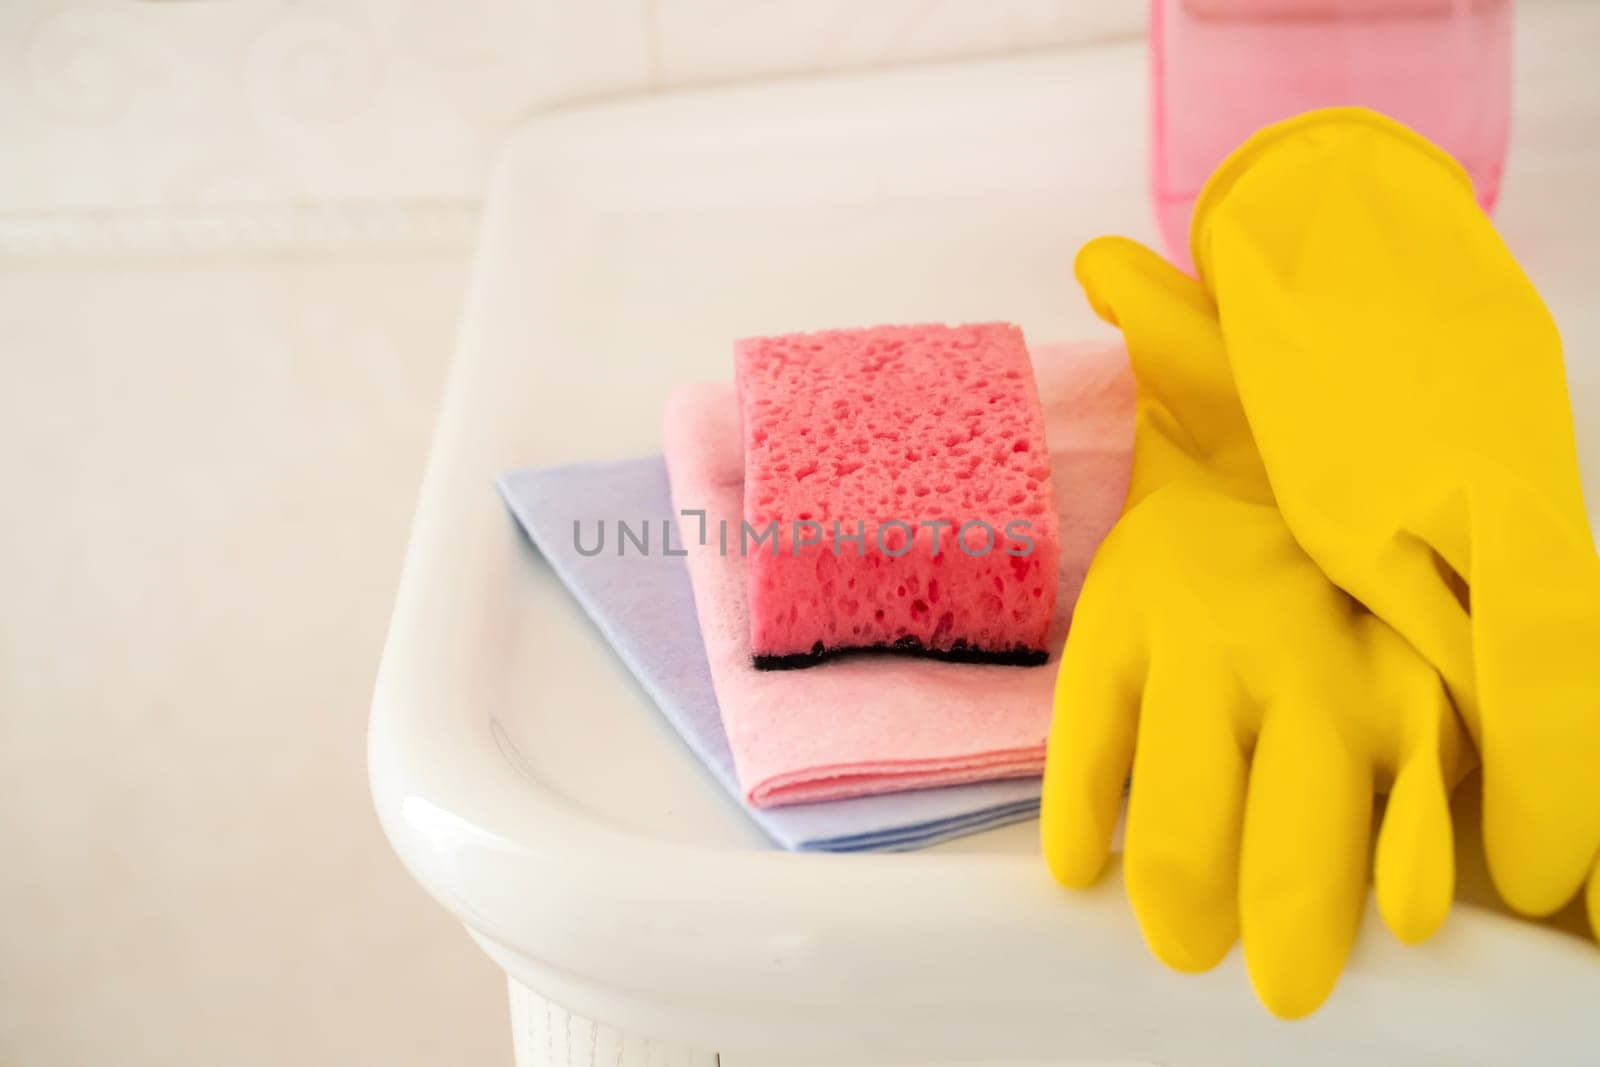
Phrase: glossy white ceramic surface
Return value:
(526, 782)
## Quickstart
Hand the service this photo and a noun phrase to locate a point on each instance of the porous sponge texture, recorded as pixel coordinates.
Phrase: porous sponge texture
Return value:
(906, 436)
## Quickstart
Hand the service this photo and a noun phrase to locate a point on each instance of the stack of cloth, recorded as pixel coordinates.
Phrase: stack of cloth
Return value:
(855, 751)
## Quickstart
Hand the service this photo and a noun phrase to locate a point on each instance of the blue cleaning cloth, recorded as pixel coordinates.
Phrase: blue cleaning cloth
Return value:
(645, 607)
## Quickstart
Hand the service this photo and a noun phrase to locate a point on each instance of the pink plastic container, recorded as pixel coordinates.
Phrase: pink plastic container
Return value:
(1222, 69)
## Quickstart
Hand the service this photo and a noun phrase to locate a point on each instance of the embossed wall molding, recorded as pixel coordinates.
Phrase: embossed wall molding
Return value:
(268, 228)
(187, 115)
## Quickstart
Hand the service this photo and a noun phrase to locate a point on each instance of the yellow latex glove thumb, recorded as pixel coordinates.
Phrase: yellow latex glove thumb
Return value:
(1258, 706)
(1406, 389)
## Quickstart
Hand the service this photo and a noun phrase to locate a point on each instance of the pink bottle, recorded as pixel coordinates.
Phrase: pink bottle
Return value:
(1222, 69)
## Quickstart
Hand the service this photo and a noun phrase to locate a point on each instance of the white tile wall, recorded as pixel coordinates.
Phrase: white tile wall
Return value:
(210, 467)
(161, 107)
(722, 39)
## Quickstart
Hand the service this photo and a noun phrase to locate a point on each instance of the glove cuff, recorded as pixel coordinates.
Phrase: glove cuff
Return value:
(1276, 137)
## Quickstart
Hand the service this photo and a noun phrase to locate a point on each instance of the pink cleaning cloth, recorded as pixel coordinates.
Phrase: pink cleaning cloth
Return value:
(867, 724)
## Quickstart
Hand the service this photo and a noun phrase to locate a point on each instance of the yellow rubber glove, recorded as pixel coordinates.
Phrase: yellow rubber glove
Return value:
(1405, 385)
(1259, 706)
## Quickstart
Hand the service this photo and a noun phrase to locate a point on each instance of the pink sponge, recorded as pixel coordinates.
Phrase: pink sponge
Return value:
(897, 495)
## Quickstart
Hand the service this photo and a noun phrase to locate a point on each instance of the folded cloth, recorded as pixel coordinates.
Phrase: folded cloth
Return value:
(878, 724)
(645, 608)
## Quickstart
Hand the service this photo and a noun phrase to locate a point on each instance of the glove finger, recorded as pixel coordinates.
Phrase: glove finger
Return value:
(1091, 738)
(1167, 319)
(1414, 865)
(1535, 631)
(1303, 869)
(1185, 809)
(1121, 277)
(1175, 348)
(1414, 871)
